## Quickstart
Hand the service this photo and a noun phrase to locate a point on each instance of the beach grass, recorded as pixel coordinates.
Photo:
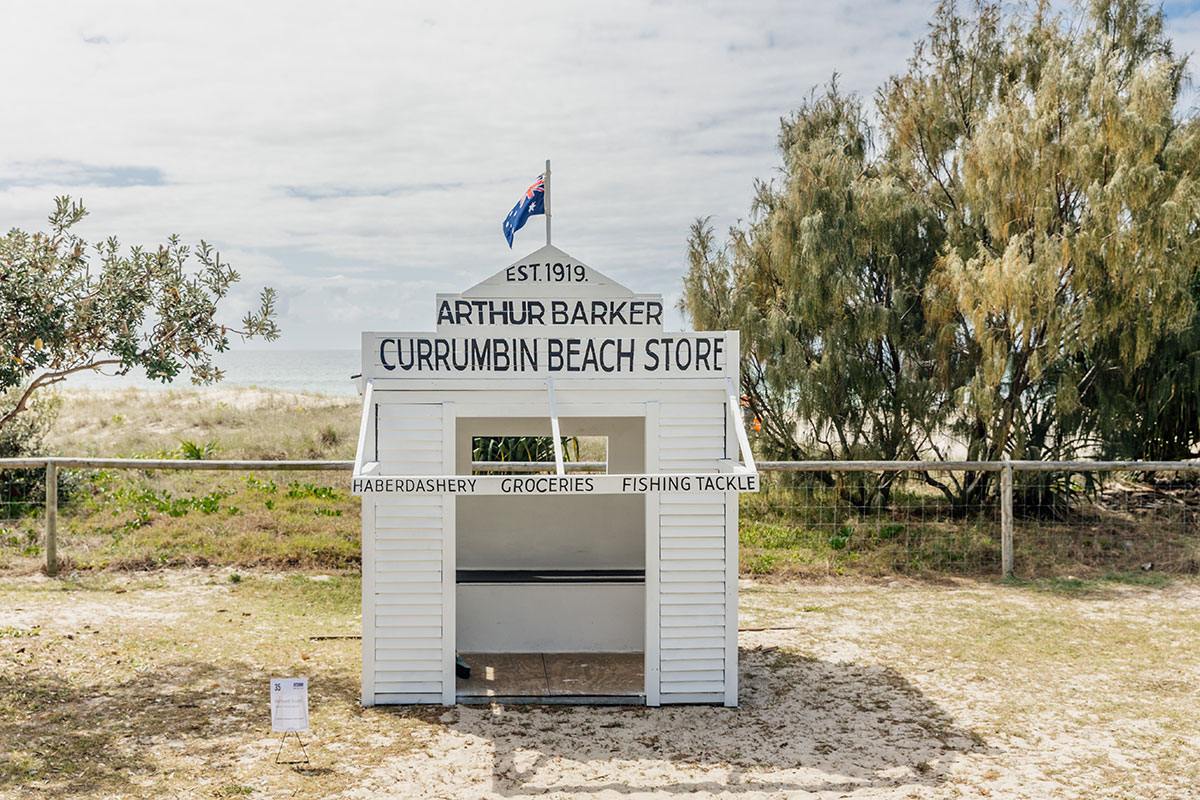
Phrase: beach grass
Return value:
(240, 423)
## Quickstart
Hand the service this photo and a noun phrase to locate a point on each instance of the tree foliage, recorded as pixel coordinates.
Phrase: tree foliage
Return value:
(1013, 270)
(66, 306)
(1152, 411)
(826, 285)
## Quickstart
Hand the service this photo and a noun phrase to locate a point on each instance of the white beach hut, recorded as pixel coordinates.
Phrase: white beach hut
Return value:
(614, 585)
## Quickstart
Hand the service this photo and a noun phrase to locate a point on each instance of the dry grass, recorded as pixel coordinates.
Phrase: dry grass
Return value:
(141, 685)
(244, 423)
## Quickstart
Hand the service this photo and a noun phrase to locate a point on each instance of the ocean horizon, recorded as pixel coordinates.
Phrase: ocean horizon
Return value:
(324, 372)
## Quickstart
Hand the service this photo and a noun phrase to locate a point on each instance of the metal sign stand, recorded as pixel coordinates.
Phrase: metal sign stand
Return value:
(300, 742)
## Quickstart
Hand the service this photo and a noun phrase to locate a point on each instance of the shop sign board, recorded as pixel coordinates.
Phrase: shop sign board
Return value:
(547, 315)
(503, 355)
(512, 485)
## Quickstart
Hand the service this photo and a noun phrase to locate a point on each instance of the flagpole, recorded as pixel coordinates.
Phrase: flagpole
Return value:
(547, 198)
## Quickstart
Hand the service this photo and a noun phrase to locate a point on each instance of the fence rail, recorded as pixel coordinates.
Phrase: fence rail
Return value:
(170, 463)
(793, 504)
(978, 466)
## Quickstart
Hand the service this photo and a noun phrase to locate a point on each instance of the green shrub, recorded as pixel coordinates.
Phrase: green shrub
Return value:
(193, 451)
(522, 448)
(22, 490)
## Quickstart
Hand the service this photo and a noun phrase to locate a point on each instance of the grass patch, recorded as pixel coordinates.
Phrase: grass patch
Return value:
(1070, 586)
(225, 422)
(798, 525)
(157, 518)
(1155, 579)
(777, 540)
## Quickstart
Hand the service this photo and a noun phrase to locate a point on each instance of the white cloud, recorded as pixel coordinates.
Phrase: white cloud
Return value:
(360, 156)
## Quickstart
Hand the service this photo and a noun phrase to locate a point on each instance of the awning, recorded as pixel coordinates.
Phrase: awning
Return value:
(727, 475)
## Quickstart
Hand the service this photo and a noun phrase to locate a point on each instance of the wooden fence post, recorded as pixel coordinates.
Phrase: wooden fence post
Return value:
(51, 518)
(1006, 519)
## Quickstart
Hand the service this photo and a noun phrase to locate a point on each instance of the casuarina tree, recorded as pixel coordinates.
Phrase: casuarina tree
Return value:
(1043, 216)
(825, 286)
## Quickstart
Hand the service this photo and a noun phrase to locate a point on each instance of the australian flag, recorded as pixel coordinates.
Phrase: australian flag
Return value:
(534, 202)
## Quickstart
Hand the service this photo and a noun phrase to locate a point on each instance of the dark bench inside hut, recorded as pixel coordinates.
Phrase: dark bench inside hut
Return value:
(551, 576)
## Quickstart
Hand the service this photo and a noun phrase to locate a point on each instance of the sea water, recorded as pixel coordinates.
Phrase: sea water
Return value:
(319, 371)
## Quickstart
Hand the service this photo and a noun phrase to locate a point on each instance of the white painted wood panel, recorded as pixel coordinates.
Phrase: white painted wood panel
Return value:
(551, 618)
(696, 697)
(685, 589)
(691, 439)
(693, 619)
(713, 578)
(407, 682)
(693, 630)
(687, 665)
(397, 698)
(397, 533)
(406, 567)
(418, 510)
(690, 609)
(652, 657)
(673, 686)
(714, 520)
(699, 506)
(415, 430)
(676, 642)
(694, 552)
(408, 438)
(407, 546)
(691, 433)
(403, 664)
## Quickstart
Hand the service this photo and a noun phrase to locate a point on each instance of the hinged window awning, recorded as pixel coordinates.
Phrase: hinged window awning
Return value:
(727, 475)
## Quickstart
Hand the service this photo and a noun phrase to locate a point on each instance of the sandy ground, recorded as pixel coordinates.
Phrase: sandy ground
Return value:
(242, 398)
(879, 690)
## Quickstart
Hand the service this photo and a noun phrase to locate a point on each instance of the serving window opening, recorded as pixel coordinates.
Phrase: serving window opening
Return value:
(551, 589)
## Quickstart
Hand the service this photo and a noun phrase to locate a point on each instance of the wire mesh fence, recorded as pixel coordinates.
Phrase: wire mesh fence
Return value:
(810, 518)
(834, 522)
(22, 505)
(1068, 518)
(1120, 521)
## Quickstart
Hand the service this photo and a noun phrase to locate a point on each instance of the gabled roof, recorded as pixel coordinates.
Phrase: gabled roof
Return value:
(557, 275)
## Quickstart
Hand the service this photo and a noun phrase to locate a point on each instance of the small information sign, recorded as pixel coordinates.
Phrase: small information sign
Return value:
(289, 705)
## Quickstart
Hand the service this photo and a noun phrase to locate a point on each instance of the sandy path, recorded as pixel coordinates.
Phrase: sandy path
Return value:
(905, 690)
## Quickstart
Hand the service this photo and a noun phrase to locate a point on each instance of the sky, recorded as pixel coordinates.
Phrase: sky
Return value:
(360, 157)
